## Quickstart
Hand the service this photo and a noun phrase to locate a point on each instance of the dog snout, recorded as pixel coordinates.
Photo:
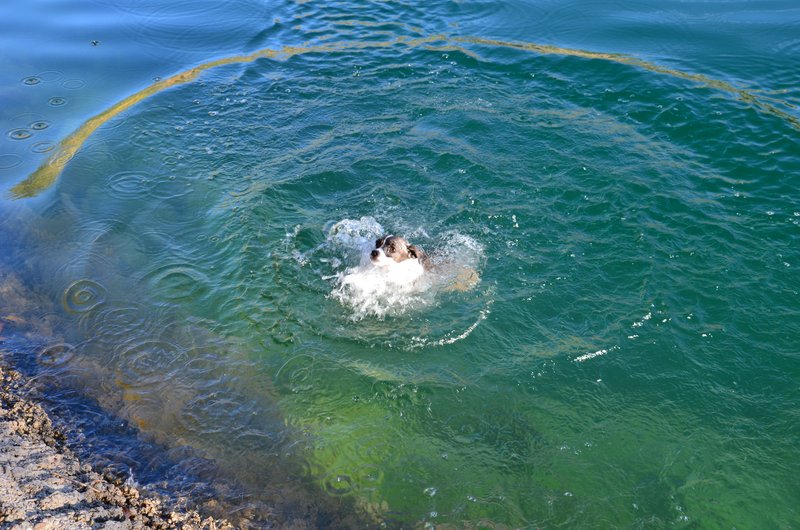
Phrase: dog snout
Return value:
(374, 253)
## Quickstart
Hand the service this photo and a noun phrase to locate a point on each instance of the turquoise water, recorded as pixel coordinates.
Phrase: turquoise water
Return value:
(616, 181)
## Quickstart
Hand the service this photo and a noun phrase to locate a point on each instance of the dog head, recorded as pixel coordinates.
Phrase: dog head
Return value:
(394, 249)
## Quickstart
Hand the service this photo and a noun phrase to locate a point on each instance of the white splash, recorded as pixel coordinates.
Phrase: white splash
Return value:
(592, 355)
(369, 290)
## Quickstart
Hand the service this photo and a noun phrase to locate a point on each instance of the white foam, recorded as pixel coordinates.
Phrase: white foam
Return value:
(379, 291)
(592, 355)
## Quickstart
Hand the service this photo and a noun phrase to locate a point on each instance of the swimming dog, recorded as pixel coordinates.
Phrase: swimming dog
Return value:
(394, 249)
(405, 263)
(399, 263)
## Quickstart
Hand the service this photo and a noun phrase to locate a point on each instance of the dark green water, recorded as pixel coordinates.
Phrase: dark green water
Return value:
(621, 178)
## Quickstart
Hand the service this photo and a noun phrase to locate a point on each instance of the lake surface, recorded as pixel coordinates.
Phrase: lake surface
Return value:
(610, 191)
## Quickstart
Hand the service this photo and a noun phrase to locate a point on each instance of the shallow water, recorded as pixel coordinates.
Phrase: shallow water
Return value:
(618, 181)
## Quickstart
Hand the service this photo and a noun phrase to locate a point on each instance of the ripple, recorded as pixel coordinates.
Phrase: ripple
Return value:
(169, 188)
(161, 117)
(163, 28)
(73, 84)
(338, 484)
(43, 147)
(149, 361)
(50, 76)
(31, 81)
(296, 374)
(19, 134)
(465, 429)
(215, 413)
(116, 324)
(39, 125)
(176, 282)
(57, 101)
(82, 296)
(56, 354)
(7, 161)
(128, 184)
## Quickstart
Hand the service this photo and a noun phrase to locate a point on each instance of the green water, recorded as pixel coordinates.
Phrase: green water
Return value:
(630, 355)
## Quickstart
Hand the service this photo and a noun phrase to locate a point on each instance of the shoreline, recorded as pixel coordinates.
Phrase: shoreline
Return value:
(55, 474)
(44, 485)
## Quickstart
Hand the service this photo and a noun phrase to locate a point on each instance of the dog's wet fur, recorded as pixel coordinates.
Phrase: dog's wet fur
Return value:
(391, 248)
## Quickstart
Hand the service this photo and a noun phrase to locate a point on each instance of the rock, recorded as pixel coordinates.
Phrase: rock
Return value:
(43, 486)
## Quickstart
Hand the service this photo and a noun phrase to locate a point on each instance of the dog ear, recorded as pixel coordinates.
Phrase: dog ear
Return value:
(414, 252)
(379, 242)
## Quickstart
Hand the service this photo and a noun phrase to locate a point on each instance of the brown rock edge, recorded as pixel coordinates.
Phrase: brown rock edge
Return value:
(44, 486)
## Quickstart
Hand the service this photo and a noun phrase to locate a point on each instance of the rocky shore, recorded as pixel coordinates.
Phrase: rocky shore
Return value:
(55, 475)
(43, 485)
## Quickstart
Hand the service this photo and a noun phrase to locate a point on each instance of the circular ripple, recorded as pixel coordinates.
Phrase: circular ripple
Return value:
(338, 484)
(121, 321)
(148, 361)
(112, 325)
(216, 412)
(56, 354)
(49, 76)
(32, 80)
(19, 134)
(82, 296)
(43, 147)
(296, 374)
(39, 125)
(8, 161)
(176, 282)
(73, 84)
(129, 184)
(57, 101)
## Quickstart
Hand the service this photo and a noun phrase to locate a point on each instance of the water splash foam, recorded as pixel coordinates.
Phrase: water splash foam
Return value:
(371, 291)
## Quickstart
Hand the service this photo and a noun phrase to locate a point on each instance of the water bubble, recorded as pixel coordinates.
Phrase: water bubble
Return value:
(19, 134)
(430, 492)
(82, 296)
(32, 80)
(39, 125)
(56, 101)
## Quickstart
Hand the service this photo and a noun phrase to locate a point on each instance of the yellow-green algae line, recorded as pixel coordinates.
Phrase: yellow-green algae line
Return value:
(49, 171)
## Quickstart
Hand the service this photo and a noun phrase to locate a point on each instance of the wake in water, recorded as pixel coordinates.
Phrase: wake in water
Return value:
(368, 290)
